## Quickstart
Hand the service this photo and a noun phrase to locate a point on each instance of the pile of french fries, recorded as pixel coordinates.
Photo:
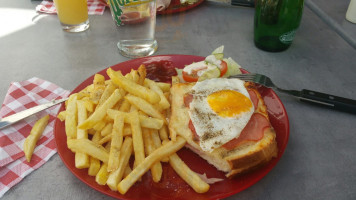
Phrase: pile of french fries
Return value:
(112, 120)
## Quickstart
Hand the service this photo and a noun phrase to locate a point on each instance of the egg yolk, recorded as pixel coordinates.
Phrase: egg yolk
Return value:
(229, 103)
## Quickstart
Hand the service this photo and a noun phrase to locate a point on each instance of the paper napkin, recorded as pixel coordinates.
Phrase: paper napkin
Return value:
(95, 7)
(21, 96)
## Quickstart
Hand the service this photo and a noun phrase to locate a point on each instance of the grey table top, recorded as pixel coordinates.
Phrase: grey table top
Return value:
(319, 161)
(337, 12)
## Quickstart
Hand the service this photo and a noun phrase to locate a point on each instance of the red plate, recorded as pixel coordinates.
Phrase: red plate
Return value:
(175, 6)
(171, 185)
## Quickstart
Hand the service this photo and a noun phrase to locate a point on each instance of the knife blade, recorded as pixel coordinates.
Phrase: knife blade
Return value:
(7, 121)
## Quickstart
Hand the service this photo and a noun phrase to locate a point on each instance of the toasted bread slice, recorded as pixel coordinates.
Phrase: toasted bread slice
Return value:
(242, 158)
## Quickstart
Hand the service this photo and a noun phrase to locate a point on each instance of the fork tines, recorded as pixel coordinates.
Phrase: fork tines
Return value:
(244, 77)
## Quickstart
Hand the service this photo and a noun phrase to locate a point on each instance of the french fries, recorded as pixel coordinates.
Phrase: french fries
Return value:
(158, 142)
(116, 176)
(145, 107)
(89, 105)
(81, 159)
(135, 76)
(163, 104)
(165, 150)
(163, 133)
(175, 79)
(62, 116)
(132, 87)
(88, 147)
(109, 89)
(187, 174)
(116, 142)
(99, 85)
(127, 171)
(94, 163)
(100, 112)
(156, 169)
(71, 117)
(103, 175)
(147, 122)
(137, 138)
(125, 106)
(35, 134)
(165, 87)
(107, 129)
(142, 73)
(126, 117)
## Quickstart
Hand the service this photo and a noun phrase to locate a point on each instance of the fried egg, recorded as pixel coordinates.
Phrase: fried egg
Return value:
(219, 111)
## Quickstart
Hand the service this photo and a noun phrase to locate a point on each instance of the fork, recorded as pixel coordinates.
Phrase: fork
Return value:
(331, 101)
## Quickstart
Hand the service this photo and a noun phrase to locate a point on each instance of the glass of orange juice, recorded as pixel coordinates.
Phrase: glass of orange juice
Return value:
(73, 14)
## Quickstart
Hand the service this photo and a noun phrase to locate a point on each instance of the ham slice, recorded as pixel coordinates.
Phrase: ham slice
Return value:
(253, 131)
(253, 97)
(188, 98)
(192, 128)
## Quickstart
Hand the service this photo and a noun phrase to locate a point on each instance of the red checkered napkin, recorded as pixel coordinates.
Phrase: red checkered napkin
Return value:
(21, 96)
(95, 7)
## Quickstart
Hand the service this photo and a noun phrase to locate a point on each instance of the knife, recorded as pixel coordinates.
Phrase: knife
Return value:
(7, 121)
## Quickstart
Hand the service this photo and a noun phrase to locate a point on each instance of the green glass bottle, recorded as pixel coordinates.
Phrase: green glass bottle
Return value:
(276, 22)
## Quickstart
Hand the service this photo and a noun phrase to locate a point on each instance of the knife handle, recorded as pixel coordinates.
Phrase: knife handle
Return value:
(331, 101)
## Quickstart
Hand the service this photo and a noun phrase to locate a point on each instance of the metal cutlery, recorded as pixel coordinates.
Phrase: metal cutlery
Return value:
(328, 100)
(7, 121)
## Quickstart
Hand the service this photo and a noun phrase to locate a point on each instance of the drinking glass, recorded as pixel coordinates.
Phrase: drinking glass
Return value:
(135, 22)
(72, 14)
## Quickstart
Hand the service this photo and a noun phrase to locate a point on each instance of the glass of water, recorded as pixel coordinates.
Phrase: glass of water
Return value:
(135, 21)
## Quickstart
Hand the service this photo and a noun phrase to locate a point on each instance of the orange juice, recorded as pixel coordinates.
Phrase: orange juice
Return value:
(71, 12)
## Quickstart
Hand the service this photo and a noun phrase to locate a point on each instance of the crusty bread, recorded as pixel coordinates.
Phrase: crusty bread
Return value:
(243, 158)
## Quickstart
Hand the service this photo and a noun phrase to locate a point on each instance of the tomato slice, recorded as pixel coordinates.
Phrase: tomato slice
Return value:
(190, 77)
(223, 68)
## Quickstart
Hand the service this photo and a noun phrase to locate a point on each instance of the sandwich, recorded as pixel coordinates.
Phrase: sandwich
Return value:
(225, 122)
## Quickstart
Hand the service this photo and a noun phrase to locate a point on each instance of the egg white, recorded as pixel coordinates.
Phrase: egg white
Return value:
(212, 129)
